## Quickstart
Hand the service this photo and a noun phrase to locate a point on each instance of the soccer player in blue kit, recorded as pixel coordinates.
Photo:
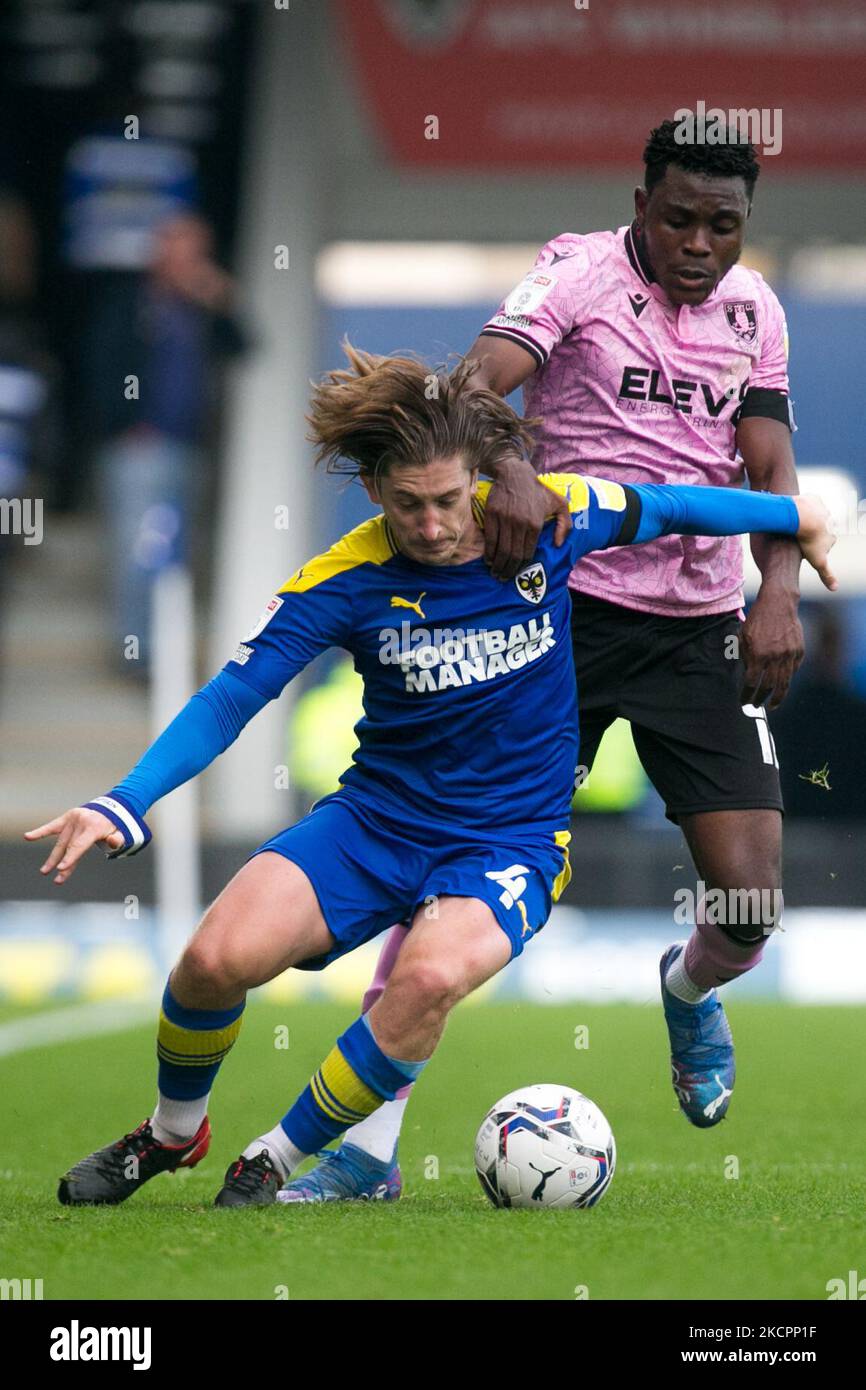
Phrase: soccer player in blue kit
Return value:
(459, 793)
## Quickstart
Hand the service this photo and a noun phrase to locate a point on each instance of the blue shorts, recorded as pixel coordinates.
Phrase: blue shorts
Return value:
(369, 873)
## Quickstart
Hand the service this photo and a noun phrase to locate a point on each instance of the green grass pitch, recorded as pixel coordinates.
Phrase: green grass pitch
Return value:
(673, 1225)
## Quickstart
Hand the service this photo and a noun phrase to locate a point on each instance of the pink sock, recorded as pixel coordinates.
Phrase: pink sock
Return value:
(712, 958)
(385, 964)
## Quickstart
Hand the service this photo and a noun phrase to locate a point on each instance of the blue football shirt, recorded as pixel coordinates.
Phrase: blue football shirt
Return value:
(470, 702)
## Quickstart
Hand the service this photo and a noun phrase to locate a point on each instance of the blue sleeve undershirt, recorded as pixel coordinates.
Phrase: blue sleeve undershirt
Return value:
(203, 729)
(711, 511)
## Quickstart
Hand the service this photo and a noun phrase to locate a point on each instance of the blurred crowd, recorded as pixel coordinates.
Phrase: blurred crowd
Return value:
(110, 391)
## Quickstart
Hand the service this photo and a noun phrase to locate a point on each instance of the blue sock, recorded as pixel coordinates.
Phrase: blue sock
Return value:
(353, 1081)
(191, 1044)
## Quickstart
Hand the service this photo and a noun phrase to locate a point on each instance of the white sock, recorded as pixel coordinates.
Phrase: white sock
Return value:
(176, 1121)
(680, 986)
(378, 1134)
(281, 1151)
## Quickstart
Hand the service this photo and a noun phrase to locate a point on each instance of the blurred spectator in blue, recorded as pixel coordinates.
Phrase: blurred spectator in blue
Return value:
(820, 731)
(29, 400)
(119, 185)
(157, 341)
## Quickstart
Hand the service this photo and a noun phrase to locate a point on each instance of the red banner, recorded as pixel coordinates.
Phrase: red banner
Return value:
(531, 84)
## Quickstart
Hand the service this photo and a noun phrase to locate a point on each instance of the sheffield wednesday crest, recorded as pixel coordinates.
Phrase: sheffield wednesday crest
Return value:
(742, 318)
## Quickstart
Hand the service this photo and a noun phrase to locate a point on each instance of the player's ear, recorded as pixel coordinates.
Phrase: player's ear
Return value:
(371, 488)
(641, 197)
(473, 482)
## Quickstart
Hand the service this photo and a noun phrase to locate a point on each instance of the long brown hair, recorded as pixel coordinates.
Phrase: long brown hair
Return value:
(382, 412)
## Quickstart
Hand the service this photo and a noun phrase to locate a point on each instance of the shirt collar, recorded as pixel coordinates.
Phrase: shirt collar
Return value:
(636, 252)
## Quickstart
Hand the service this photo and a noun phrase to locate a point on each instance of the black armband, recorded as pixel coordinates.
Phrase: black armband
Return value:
(767, 405)
(631, 520)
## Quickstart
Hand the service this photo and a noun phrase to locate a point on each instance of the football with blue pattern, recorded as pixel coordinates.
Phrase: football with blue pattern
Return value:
(545, 1146)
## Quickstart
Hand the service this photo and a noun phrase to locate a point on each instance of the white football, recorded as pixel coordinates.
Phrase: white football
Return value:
(545, 1146)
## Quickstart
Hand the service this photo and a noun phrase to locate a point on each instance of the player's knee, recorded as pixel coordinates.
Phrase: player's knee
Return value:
(749, 914)
(207, 968)
(433, 983)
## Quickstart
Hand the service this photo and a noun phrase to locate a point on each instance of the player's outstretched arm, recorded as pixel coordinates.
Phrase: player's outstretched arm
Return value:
(717, 511)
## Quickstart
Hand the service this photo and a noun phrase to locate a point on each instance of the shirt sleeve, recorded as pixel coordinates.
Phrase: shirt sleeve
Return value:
(540, 310)
(767, 395)
(606, 514)
(302, 620)
(204, 728)
(600, 509)
(313, 611)
(771, 372)
(667, 509)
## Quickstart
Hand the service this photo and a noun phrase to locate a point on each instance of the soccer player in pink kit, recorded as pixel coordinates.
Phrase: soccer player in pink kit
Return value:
(650, 355)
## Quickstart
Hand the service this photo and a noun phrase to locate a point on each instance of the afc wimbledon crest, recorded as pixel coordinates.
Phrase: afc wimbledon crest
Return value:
(427, 23)
(742, 318)
(532, 583)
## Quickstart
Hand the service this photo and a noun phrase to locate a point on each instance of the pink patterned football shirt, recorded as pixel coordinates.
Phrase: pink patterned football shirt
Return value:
(634, 388)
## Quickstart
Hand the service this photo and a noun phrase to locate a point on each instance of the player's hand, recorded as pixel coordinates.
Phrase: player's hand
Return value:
(772, 646)
(76, 831)
(518, 506)
(816, 538)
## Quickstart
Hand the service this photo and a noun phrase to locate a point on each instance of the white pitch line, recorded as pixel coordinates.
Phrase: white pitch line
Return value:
(79, 1021)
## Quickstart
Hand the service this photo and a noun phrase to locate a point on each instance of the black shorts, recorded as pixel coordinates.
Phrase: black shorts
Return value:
(672, 680)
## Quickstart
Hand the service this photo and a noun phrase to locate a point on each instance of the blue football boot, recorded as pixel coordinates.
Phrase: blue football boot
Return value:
(702, 1052)
(347, 1174)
